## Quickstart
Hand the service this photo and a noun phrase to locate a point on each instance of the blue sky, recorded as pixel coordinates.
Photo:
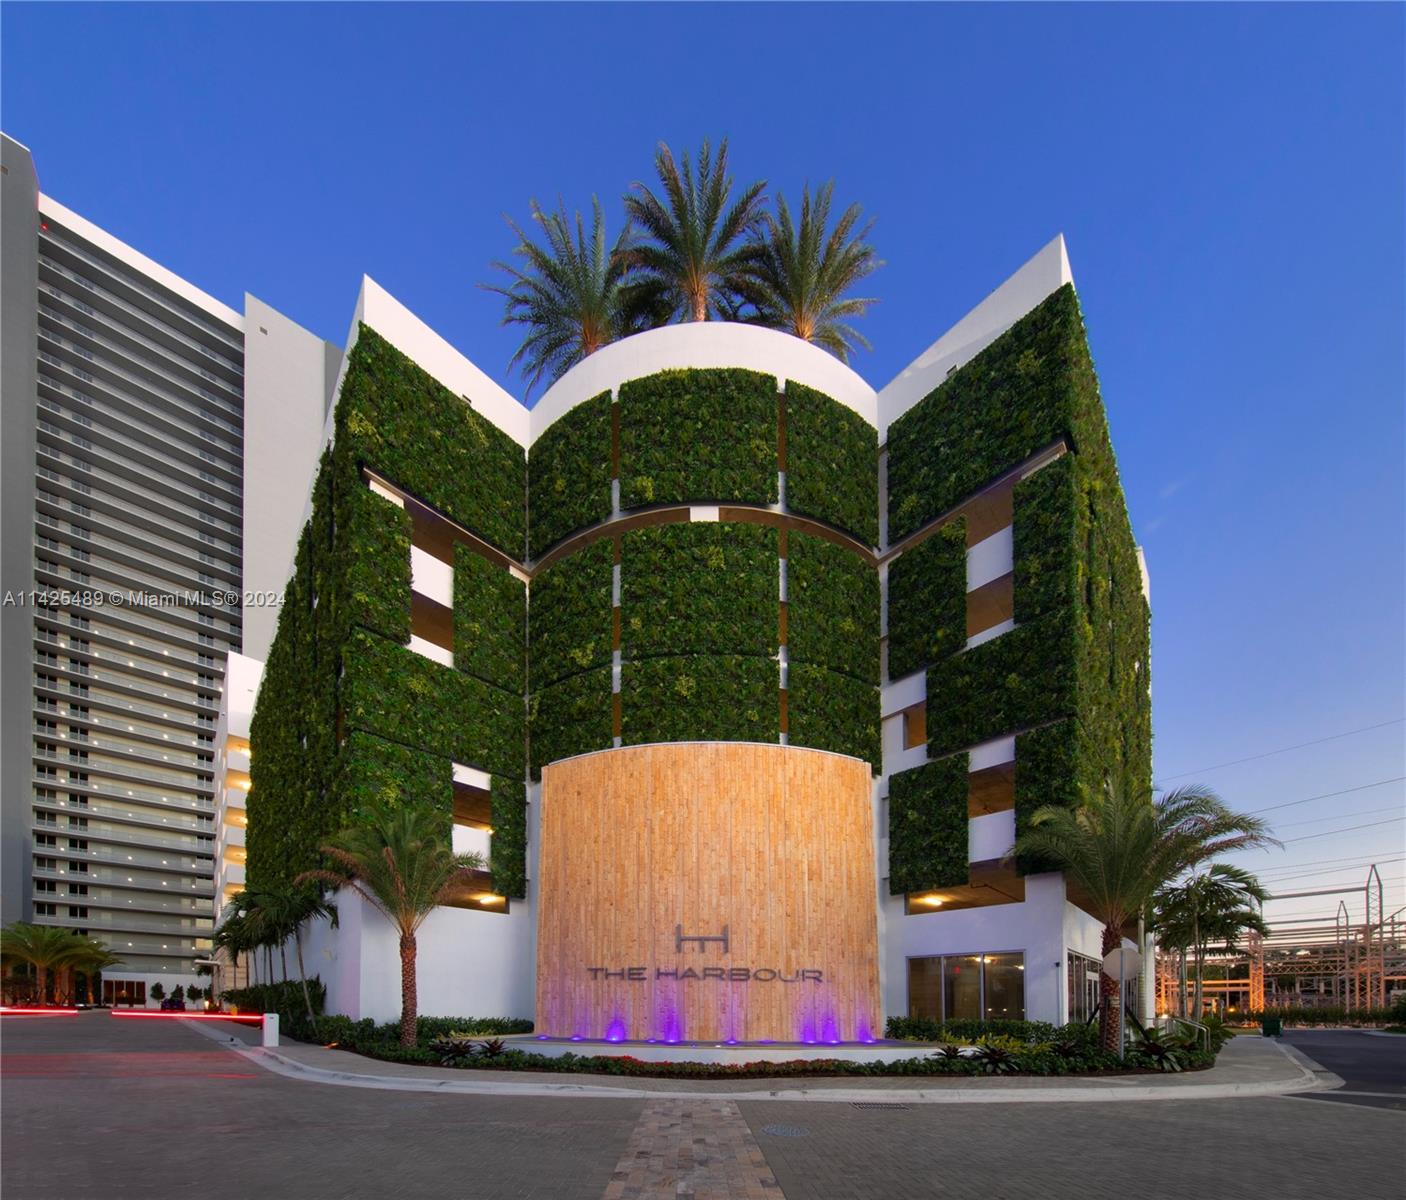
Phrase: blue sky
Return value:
(1230, 180)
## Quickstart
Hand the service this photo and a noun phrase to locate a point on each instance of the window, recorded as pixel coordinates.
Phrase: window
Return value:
(967, 987)
(1083, 977)
(45, 909)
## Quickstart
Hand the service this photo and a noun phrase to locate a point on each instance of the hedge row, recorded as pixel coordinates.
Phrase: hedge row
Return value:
(699, 588)
(705, 697)
(928, 827)
(284, 997)
(832, 608)
(832, 463)
(394, 416)
(569, 470)
(1031, 386)
(570, 618)
(927, 601)
(490, 622)
(700, 436)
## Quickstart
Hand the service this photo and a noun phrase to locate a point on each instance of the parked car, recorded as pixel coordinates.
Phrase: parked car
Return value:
(173, 1005)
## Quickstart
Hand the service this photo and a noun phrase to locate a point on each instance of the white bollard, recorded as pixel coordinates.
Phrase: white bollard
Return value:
(270, 1029)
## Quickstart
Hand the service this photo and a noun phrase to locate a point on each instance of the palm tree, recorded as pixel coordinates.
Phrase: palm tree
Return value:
(697, 256)
(95, 958)
(285, 911)
(1215, 906)
(573, 292)
(44, 947)
(801, 272)
(1120, 848)
(236, 934)
(402, 865)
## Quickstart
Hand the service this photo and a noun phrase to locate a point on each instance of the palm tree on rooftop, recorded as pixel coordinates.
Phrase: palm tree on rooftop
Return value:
(696, 249)
(803, 269)
(574, 291)
(402, 864)
(1120, 848)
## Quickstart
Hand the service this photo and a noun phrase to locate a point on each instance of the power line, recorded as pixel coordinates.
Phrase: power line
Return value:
(1350, 859)
(1282, 877)
(1349, 829)
(1370, 812)
(1326, 795)
(1284, 750)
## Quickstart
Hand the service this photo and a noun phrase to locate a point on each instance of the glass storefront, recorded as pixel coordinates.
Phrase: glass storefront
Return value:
(967, 987)
(1084, 988)
(123, 991)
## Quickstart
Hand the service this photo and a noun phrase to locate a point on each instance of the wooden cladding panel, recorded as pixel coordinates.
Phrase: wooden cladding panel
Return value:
(773, 843)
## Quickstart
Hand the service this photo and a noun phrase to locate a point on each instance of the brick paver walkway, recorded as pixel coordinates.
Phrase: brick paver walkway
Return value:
(701, 1149)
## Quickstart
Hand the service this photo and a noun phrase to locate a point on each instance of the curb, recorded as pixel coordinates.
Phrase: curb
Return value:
(1308, 1080)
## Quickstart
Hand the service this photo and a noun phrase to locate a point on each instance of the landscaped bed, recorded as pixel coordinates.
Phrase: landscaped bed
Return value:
(969, 1049)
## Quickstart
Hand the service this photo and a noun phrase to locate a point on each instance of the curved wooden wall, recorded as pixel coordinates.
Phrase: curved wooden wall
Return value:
(771, 843)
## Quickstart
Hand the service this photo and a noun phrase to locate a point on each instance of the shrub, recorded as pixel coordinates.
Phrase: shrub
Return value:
(926, 1029)
(284, 997)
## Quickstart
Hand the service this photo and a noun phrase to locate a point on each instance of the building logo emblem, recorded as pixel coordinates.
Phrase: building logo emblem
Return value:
(700, 944)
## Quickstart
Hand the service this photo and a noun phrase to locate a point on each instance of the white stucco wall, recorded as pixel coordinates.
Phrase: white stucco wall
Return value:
(469, 963)
(695, 344)
(285, 398)
(1046, 272)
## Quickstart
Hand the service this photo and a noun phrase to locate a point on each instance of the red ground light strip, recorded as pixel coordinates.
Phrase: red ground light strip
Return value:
(8, 1011)
(247, 1018)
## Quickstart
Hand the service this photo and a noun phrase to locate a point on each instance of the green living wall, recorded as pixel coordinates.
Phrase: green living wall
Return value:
(928, 826)
(699, 588)
(397, 419)
(1071, 679)
(347, 718)
(832, 463)
(700, 698)
(927, 587)
(702, 436)
(569, 470)
(570, 619)
(1031, 386)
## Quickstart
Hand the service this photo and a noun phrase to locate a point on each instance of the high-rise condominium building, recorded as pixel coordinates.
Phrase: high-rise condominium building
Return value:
(126, 424)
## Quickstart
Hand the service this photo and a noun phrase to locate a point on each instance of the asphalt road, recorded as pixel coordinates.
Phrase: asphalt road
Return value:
(1372, 1066)
(92, 1107)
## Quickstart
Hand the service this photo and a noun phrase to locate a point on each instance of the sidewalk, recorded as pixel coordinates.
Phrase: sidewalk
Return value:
(1246, 1067)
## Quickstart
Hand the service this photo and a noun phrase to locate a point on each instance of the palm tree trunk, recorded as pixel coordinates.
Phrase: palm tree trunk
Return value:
(1200, 976)
(302, 974)
(1181, 981)
(1196, 952)
(408, 998)
(1111, 1001)
(283, 958)
(42, 982)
